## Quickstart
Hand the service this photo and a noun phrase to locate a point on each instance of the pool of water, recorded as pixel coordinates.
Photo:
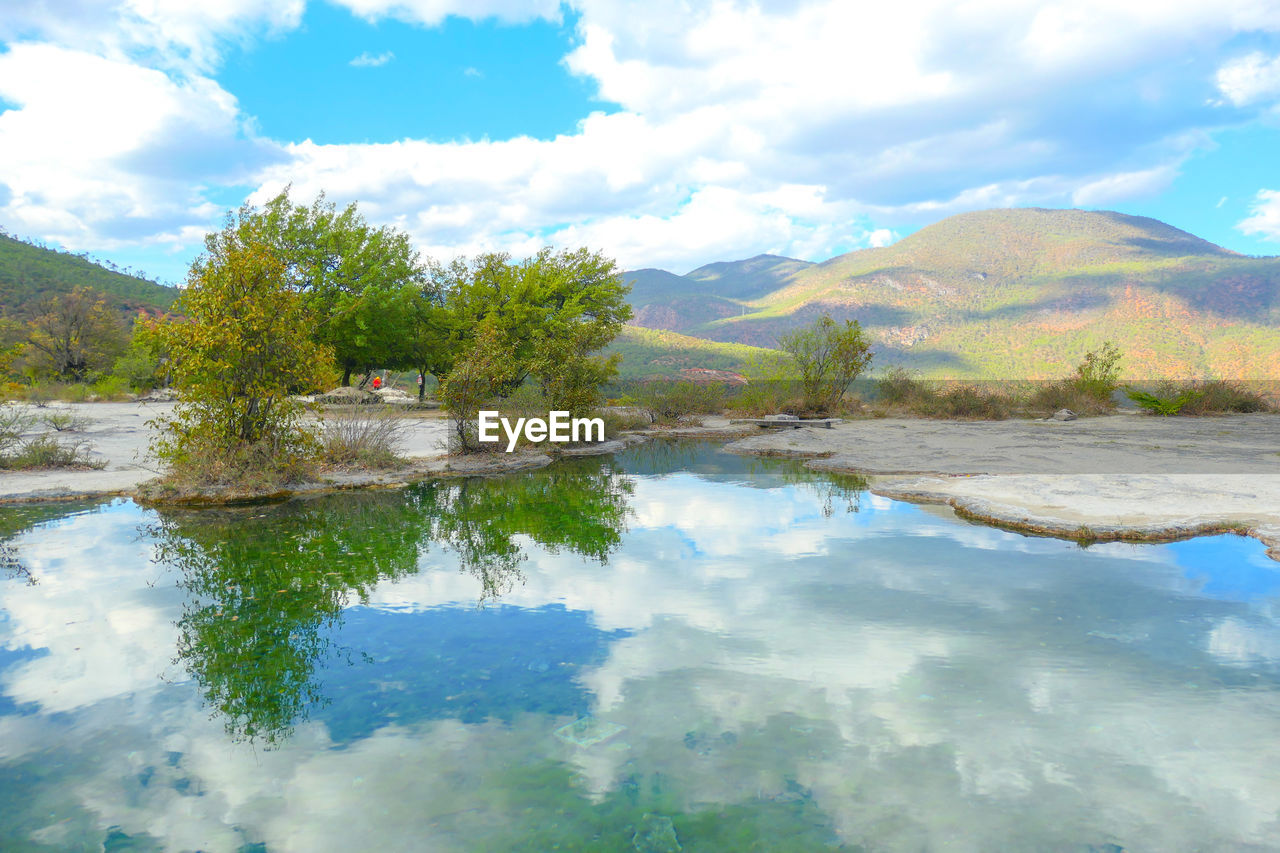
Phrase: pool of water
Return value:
(672, 649)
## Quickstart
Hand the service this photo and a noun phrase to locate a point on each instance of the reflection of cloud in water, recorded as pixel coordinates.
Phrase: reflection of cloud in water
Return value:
(916, 679)
(105, 633)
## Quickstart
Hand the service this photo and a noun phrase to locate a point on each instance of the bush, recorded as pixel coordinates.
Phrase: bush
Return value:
(899, 386)
(63, 420)
(668, 403)
(45, 451)
(1068, 394)
(363, 436)
(1218, 396)
(111, 388)
(1210, 397)
(1098, 373)
(14, 421)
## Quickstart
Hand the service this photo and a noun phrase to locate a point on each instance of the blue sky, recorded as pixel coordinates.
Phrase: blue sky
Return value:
(666, 134)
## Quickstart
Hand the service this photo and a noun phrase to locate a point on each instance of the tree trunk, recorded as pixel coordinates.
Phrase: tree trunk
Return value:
(346, 377)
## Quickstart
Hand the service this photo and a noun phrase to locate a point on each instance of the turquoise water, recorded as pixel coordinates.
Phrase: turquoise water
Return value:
(672, 649)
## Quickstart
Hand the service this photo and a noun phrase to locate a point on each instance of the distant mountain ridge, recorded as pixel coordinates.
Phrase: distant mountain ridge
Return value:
(29, 274)
(1014, 293)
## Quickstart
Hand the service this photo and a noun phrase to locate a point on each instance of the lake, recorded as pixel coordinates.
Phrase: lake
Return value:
(671, 649)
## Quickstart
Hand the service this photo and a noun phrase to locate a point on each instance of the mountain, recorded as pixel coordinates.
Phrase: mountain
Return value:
(649, 353)
(663, 300)
(29, 274)
(1019, 293)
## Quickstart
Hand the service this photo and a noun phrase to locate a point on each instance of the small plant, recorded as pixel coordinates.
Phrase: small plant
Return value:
(363, 436)
(898, 386)
(1164, 406)
(45, 451)
(14, 421)
(828, 356)
(1097, 375)
(66, 421)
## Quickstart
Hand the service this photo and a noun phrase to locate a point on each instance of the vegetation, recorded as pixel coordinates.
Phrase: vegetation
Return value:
(827, 357)
(73, 335)
(362, 437)
(1006, 294)
(670, 402)
(242, 351)
(31, 275)
(1211, 397)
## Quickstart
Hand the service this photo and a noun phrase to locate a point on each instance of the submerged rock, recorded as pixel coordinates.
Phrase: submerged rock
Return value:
(657, 834)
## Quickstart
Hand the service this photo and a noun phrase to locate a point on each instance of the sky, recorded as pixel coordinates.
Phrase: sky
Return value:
(665, 134)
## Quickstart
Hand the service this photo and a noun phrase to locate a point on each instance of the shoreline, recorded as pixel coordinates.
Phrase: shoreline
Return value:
(1114, 478)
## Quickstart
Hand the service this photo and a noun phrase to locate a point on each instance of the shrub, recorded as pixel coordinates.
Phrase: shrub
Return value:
(112, 388)
(668, 402)
(899, 386)
(1098, 373)
(63, 420)
(363, 436)
(45, 451)
(1049, 397)
(827, 356)
(1218, 396)
(476, 380)
(14, 421)
(1164, 406)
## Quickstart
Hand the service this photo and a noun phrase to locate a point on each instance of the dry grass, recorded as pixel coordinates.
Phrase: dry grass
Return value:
(362, 437)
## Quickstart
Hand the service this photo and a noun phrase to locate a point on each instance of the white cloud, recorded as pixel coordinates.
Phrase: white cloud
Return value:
(368, 60)
(800, 128)
(102, 152)
(1250, 79)
(433, 12)
(1265, 219)
(472, 72)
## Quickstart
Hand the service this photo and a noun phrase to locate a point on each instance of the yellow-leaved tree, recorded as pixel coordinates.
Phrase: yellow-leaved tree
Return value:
(241, 349)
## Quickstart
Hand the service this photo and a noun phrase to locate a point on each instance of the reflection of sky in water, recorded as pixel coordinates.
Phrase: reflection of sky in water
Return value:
(761, 655)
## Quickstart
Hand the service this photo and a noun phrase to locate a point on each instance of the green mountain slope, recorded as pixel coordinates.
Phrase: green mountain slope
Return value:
(29, 274)
(663, 300)
(648, 353)
(1023, 293)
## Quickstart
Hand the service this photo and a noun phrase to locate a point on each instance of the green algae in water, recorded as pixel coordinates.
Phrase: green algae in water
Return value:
(588, 731)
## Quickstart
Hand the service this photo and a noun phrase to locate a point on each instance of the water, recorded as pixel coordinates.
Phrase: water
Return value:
(674, 649)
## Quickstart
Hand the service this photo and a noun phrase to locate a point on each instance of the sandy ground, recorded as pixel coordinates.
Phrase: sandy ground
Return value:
(1125, 476)
(118, 433)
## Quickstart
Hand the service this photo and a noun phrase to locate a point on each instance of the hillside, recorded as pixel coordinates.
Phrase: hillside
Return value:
(663, 300)
(29, 274)
(1021, 294)
(648, 353)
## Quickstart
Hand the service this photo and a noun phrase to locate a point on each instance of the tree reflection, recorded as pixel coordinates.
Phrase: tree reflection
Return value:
(268, 584)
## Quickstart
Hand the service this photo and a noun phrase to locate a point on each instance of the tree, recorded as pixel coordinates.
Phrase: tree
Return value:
(75, 334)
(354, 277)
(1098, 373)
(828, 356)
(552, 310)
(244, 347)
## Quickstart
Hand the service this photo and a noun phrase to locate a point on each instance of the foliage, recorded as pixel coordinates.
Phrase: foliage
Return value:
(362, 436)
(1098, 374)
(828, 356)
(899, 385)
(72, 335)
(14, 422)
(242, 350)
(1162, 405)
(653, 353)
(670, 402)
(485, 371)
(142, 366)
(358, 282)
(1210, 397)
(30, 275)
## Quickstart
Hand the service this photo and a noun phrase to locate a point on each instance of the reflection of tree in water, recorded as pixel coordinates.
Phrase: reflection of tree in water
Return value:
(16, 521)
(269, 583)
(576, 505)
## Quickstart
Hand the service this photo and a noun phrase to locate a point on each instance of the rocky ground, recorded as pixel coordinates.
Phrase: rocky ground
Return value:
(1124, 476)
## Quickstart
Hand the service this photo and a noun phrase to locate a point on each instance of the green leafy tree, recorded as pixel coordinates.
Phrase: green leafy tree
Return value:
(73, 335)
(243, 347)
(553, 312)
(355, 278)
(828, 356)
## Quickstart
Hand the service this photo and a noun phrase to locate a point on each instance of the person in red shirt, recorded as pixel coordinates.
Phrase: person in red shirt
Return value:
(377, 382)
